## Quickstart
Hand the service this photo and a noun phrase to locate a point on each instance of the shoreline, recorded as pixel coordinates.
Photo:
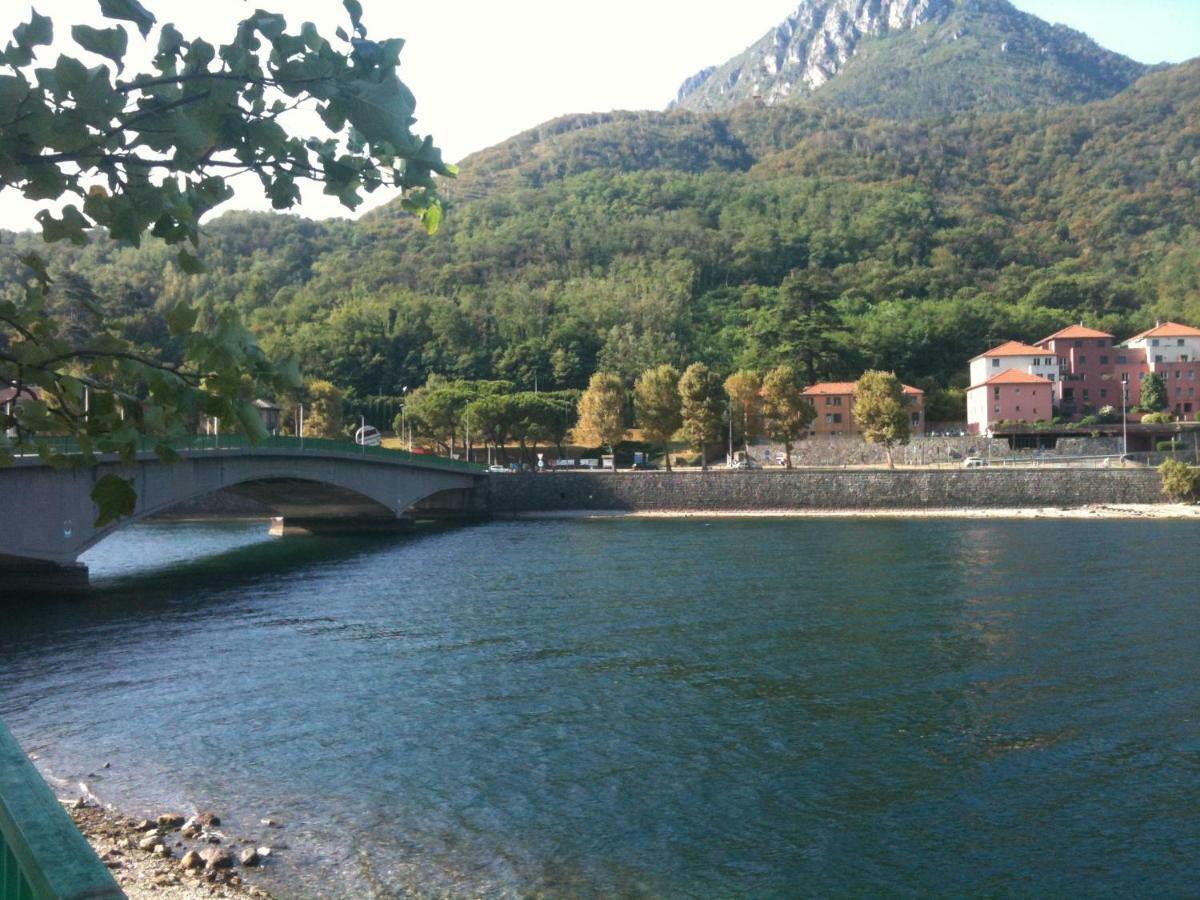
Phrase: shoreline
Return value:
(168, 857)
(1093, 511)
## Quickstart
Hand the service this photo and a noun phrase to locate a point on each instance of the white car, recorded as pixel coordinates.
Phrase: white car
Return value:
(498, 469)
(974, 462)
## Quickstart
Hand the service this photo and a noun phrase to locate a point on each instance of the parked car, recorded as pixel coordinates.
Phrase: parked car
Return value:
(498, 468)
(974, 462)
(643, 466)
(744, 463)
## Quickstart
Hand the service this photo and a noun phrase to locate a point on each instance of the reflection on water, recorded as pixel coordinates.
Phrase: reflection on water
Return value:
(644, 708)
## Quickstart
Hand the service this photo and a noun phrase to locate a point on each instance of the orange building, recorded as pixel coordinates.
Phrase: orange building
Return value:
(834, 403)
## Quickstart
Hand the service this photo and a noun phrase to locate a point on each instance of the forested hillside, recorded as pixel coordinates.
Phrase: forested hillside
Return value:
(740, 239)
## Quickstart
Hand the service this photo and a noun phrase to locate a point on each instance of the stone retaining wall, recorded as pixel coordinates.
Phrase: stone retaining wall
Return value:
(821, 489)
(853, 451)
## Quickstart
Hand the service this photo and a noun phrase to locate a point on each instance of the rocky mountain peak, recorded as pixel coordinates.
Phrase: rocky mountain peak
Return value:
(806, 50)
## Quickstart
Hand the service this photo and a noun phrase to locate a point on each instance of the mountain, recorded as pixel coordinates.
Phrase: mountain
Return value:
(914, 59)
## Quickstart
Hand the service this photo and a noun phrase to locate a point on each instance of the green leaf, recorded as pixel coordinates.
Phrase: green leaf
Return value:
(189, 263)
(13, 91)
(35, 262)
(354, 8)
(181, 319)
(251, 421)
(114, 498)
(70, 227)
(107, 42)
(129, 11)
(166, 454)
(39, 30)
(169, 40)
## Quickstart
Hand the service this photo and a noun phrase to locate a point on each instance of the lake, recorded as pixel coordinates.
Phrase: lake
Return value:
(643, 708)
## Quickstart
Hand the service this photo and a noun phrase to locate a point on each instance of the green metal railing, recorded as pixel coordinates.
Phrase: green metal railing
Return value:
(42, 854)
(68, 446)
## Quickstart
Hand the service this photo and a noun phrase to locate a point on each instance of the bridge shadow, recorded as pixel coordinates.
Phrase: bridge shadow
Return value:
(193, 585)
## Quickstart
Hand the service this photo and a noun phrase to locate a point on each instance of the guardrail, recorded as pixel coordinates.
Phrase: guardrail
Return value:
(65, 446)
(42, 854)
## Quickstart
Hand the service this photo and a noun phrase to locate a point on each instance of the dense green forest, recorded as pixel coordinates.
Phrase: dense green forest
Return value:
(746, 239)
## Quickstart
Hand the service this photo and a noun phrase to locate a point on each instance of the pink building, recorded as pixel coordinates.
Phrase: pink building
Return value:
(1011, 396)
(1085, 370)
(834, 402)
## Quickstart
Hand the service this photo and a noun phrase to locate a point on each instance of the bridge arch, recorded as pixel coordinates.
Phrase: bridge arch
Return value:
(337, 489)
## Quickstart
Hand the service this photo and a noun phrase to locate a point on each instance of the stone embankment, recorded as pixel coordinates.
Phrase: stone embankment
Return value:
(724, 490)
(171, 856)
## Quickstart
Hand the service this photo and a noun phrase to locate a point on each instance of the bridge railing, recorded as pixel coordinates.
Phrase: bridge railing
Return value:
(65, 446)
(42, 854)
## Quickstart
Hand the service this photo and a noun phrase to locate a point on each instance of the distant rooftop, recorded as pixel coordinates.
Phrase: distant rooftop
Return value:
(846, 387)
(1075, 331)
(1013, 348)
(1166, 329)
(1014, 376)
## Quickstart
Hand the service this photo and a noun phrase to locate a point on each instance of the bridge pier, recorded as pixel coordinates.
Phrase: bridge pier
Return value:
(285, 525)
(22, 577)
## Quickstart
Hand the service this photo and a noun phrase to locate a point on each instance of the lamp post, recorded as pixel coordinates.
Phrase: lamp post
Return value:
(1124, 416)
(729, 456)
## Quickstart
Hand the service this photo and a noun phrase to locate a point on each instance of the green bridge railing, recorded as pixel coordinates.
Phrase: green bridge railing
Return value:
(42, 854)
(68, 446)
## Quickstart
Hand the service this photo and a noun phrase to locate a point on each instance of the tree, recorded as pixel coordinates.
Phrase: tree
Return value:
(150, 152)
(880, 410)
(703, 405)
(1179, 480)
(602, 411)
(323, 410)
(786, 412)
(745, 405)
(803, 323)
(657, 402)
(1154, 393)
(491, 416)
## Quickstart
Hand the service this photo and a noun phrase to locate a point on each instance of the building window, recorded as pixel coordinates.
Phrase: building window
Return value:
(1178, 373)
(1122, 360)
(1085, 395)
(1103, 360)
(1183, 357)
(1103, 393)
(1154, 342)
(996, 392)
(1103, 342)
(996, 409)
(1179, 342)
(1141, 376)
(1018, 409)
(1079, 343)
(828, 419)
(1082, 360)
(1158, 357)
(995, 363)
(837, 418)
(916, 419)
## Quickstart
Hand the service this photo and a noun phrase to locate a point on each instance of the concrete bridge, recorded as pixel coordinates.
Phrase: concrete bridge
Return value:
(47, 515)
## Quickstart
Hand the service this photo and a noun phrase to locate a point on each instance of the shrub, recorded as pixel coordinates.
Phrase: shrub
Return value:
(1179, 480)
(1168, 446)
(1090, 420)
(1156, 418)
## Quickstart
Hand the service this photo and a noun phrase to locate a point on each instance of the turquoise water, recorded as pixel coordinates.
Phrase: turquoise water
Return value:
(644, 708)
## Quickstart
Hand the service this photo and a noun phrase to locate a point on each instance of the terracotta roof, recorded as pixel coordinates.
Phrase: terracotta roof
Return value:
(1167, 329)
(846, 387)
(1013, 376)
(1076, 331)
(1013, 348)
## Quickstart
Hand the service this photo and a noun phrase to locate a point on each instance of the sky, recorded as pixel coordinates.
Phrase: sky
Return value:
(484, 70)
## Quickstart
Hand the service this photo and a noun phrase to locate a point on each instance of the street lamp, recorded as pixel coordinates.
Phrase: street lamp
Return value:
(1124, 416)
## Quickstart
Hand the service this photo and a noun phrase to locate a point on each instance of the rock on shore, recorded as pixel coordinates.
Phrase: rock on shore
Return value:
(168, 858)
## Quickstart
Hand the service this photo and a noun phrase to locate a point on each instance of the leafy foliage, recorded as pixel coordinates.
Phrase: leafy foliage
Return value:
(786, 412)
(1154, 393)
(880, 411)
(1179, 480)
(149, 152)
(602, 411)
(703, 407)
(658, 404)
